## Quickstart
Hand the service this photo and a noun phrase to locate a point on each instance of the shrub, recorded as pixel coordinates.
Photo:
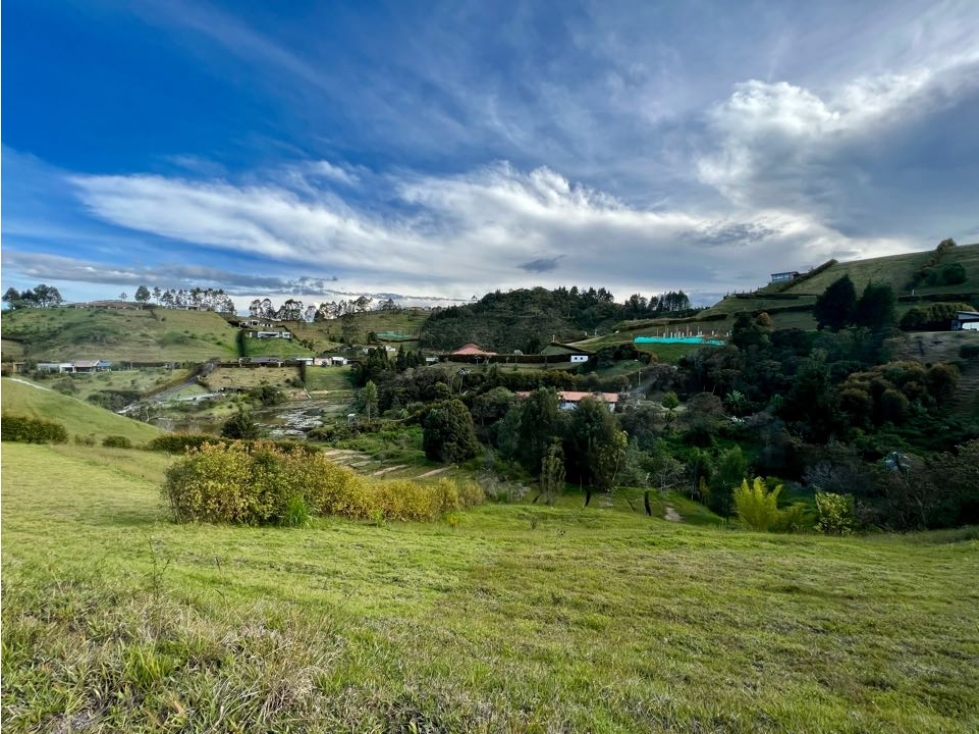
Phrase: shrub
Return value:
(835, 512)
(27, 429)
(117, 442)
(177, 443)
(756, 506)
(969, 351)
(262, 484)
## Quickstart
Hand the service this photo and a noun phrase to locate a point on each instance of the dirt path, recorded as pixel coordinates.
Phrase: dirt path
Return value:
(433, 472)
(672, 515)
(382, 472)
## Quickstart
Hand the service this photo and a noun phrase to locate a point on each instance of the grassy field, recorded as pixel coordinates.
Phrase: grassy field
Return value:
(141, 381)
(275, 348)
(78, 417)
(245, 378)
(151, 335)
(329, 378)
(326, 335)
(512, 617)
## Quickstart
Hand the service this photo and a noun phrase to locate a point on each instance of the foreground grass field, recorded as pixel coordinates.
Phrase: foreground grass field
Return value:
(505, 618)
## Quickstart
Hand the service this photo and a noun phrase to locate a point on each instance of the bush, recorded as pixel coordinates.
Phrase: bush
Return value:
(836, 516)
(262, 484)
(27, 429)
(117, 442)
(969, 351)
(756, 506)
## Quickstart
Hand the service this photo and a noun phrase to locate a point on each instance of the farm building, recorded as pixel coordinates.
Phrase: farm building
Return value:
(785, 277)
(274, 334)
(573, 354)
(92, 365)
(472, 349)
(56, 367)
(966, 321)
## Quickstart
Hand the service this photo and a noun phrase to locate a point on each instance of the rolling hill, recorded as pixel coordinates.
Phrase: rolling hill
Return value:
(137, 335)
(79, 418)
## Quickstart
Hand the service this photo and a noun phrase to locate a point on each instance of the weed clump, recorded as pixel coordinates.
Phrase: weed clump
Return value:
(262, 484)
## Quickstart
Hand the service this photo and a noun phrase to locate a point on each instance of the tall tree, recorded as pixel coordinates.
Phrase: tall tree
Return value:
(449, 434)
(540, 423)
(834, 308)
(875, 309)
(595, 443)
(142, 295)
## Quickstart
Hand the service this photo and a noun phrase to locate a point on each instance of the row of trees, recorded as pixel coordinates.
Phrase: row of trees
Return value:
(203, 299)
(295, 310)
(41, 296)
(838, 306)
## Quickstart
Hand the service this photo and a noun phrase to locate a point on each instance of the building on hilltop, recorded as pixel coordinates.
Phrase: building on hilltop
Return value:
(574, 354)
(786, 277)
(966, 321)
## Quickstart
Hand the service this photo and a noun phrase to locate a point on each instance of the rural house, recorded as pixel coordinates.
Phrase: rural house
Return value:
(785, 277)
(572, 354)
(568, 400)
(966, 321)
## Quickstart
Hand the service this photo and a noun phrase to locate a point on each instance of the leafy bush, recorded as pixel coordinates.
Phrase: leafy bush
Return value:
(117, 442)
(27, 429)
(969, 351)
(261, 484)
(177, 443)
(756, 506)
(836, 515)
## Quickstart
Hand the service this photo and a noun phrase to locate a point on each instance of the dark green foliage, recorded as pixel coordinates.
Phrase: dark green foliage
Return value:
(449, 435)
(875, 309)
(113, 399)
(42, 296)
(266, 395)
(934, 317)
(117, 442)
(594, 445)
(241, 426)
(176, 443)
(835, 307)
(540, 423)
(27, 429)
(527, 319)
(969, 351)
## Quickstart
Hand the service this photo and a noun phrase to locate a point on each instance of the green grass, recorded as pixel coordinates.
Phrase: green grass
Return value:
(151, 335)
(510, 618)
(83, 384)
(326, 335)
(79, 418)
(275, 348)
(329, 378)
(246, 378)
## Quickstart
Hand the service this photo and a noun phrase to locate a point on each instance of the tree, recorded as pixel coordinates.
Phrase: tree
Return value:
(756, 506)
(540, 424)
(123, 296)
(142, 295)
(12, 297)
(835, 307)
(449, 434)
(875, 309)
(370, 399)
(241, 426)
(552, 472)
(729, 473)
(595, 444)
(157, 293)
(507, 433)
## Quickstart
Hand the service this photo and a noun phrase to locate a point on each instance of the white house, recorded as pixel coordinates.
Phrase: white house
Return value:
(277, 334)
(966, 321)
(56, 367)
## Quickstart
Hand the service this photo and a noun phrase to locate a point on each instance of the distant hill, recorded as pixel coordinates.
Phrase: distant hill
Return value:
(790, 305)
(79, 417)
(139, 335)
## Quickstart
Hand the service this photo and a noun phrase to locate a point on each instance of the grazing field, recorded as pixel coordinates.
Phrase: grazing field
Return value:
(79, 418)
(355, 328)
(83, 384)
(138, 335)
(246, 378)
(511, 617)
(275, 348)
(329, 378)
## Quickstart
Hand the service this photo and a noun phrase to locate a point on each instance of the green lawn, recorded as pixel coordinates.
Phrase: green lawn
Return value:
(140, 335)
(509, 618)
(276, 348)
(79, 418)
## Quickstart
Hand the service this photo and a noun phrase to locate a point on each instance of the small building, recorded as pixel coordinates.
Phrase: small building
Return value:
(572, 354)
(569, 399)
(471, 350)
(267, 361)
(966, 321)
(89, 365)
(58, 367)
(431, 360)
(786, 277)
(272, 334)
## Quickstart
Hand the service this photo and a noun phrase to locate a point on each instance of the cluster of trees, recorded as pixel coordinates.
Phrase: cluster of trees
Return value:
(41, 296)
(295, 310)
(203, 299)
(839, 307)
(931, 274)
(526, 320)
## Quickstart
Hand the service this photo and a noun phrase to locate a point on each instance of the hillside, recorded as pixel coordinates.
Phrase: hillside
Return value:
(118, 335)
(80, 418)
(515, 617)
(791, 306)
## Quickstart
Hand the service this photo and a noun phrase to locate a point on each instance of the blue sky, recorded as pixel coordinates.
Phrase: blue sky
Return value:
(442, 150)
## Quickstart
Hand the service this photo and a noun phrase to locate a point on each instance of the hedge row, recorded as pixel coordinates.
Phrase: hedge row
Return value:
(178, 443)
(27, 429)
(260, 484)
